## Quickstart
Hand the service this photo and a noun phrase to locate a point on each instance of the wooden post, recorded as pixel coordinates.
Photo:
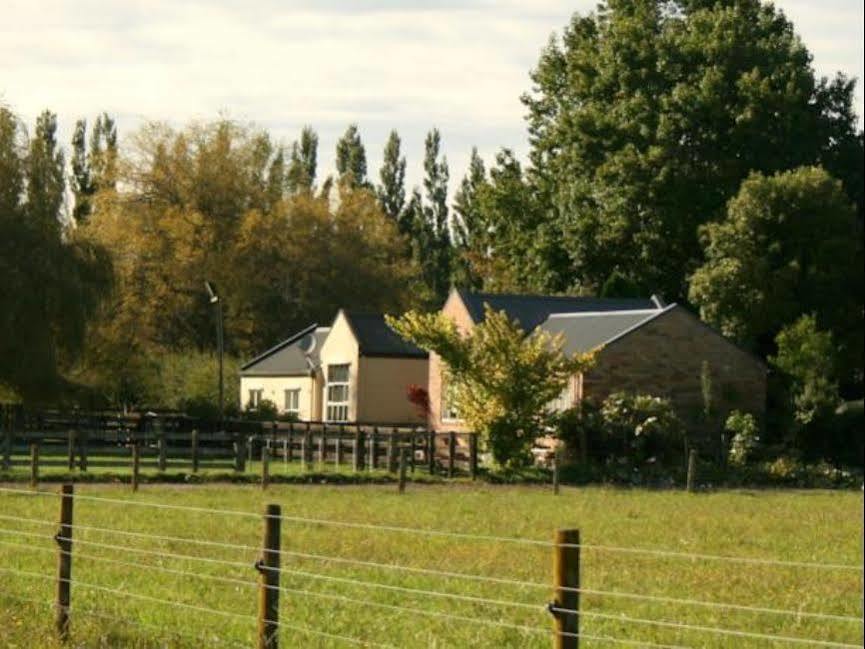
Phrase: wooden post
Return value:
(239, 454)
(391, 453)
(34, 463)
(289, 437)
(70, 451)
(322, 448)
(566, 576)
(83, 439)
(265, 466)
(692, 470)
(339, 434)
(402, 468)
(431, 452)
(473, 455)
(412, 450)
(163, 453)
(193, 449)
(452, 451)
(268, 584)
(373, 448)
(556, 471)
(7, 442)
(136, 464)
(357, 451)
(64, 562)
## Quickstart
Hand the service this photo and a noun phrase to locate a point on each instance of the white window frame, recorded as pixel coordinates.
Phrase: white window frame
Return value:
(337, 411)
(256, 396)
(292, 408)
(450, 414)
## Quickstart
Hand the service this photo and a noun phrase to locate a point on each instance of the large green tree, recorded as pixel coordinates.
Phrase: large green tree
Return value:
(470, 234)
(789, 244)
(646, 116)
(436, 261)
(303, 161)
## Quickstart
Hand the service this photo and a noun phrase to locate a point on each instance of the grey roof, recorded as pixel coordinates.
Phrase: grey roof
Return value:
(532, 310)
(375, 338)
(289, 358)
(585, 331)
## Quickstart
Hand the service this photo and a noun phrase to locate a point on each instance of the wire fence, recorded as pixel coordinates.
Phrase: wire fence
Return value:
(528, 612)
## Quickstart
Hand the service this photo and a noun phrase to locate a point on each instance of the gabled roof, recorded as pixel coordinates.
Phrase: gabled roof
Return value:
(584, 332)
(291, 357)
(532, 310)
(375, 338)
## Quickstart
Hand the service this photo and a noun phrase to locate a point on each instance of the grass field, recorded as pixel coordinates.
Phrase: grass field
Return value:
(814, 526)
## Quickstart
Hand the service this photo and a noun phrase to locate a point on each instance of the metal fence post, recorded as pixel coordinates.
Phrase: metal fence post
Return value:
(566, 580)
(268, 584)
(64, 562)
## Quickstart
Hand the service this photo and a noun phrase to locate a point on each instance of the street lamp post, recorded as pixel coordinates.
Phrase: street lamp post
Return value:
(214, 299)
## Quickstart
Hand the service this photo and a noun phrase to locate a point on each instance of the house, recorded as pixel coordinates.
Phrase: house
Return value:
(644, 346)
(356, 370)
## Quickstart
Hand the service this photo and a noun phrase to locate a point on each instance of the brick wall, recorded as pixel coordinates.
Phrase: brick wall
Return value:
(665, 358)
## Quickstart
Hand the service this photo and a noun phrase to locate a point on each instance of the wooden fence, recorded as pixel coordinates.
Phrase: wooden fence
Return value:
(175, 442)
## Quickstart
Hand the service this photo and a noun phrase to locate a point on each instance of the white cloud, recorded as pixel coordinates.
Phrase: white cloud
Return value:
(458, 65)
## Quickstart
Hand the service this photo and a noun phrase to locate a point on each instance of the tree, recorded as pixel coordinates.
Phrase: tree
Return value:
(103, 153)
(789, 244)
(46, 173)
(437, 257)
(502, 380)
(805, 355)
(303, 161)
(83, 187)
(391, 191)
(351, 158)
(53, 281)
(645, 118)
(470, 234)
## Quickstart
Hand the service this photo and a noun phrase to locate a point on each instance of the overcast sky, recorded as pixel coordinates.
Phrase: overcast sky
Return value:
(459, 65)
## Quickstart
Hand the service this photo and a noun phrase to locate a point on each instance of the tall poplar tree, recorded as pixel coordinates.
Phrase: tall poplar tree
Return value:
(470, 240)
(46, 173)
(351, 158)
(303, 161)
(438, 254)
(83, 187)
(391, 191)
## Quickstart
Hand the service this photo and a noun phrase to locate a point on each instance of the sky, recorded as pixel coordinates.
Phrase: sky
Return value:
(459, 65)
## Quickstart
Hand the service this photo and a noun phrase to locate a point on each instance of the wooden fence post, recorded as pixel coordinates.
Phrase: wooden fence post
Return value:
(163, 452)
(193, 449)
(566, 580)
(340, 432)
(83, 440)
(268, 584)
(556, 471)
(34, 463)
(692, 470)
(452, 451)
(289, 438)
(431, 452)
(322, 448)
(239, 453)
(412, 450)
(64, 562)
(473, 455)
(265, 466)
(357, 451)
(136, 464)
(70, 451)
(391, 453)
(402, 468)
(373, 448)
(7, 440)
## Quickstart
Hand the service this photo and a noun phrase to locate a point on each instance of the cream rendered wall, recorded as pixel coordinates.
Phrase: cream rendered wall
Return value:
(340, 347)
(455, 309)
(274, 388)
(382, 388)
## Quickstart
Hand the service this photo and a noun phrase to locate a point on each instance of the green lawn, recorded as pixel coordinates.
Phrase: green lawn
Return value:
(807, 526)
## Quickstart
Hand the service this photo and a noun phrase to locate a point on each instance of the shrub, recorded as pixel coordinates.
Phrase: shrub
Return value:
(581, 429)
(264, 411)
(647, 428)
(745, 439)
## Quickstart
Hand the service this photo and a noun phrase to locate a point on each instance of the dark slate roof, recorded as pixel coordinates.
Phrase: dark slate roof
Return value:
(375, 338)
(532, 310)
(289, 358)
(586, 331)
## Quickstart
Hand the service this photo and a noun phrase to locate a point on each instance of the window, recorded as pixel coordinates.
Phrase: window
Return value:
(337, 393)
(255, 397)
(449, 408)
(292, 401)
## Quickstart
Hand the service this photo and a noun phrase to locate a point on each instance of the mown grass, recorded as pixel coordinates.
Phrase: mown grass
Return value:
(815, 526)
